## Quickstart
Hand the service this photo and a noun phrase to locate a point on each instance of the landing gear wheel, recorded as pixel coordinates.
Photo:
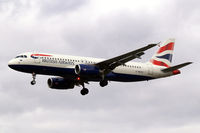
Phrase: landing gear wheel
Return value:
(33, 82)
(103, 83)
(84, 91)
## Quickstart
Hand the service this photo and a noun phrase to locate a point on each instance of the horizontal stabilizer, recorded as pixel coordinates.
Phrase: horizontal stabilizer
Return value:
(176, 67)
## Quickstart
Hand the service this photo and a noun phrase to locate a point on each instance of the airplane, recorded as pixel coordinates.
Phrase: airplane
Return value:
(71, 71)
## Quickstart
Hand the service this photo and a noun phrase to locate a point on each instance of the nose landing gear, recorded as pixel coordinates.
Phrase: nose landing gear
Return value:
(33, 82)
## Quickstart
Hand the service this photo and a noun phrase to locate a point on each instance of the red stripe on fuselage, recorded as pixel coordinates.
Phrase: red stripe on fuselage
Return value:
(40, 55)
(169, 46)
(159, 63)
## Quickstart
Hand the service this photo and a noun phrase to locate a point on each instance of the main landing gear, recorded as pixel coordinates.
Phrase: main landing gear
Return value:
(84, 91)
(103, 83)
(33, 82)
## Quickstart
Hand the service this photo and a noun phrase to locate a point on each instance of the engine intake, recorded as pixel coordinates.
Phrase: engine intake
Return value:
(87, 70)
(60, 83)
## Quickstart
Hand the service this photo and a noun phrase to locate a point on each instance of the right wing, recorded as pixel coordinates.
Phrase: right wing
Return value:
(112, 63)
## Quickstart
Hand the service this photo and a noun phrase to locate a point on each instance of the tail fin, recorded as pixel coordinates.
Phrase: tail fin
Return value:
(163, 57)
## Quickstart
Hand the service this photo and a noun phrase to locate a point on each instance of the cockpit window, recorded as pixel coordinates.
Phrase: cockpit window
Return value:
(21, 56)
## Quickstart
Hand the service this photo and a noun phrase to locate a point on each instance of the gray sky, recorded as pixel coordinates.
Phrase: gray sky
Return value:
(99, 28)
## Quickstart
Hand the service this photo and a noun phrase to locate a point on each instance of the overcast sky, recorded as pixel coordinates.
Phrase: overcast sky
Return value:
(100, 28)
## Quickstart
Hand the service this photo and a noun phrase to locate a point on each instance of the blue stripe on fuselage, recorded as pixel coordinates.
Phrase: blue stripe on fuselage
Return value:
(70, 73)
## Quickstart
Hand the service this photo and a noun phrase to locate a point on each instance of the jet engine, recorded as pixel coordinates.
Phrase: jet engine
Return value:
(87, 70)
(60, 83)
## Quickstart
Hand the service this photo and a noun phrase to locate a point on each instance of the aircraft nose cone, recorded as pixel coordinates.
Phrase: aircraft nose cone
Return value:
(10, 66)
(11, 63)
(15, 65)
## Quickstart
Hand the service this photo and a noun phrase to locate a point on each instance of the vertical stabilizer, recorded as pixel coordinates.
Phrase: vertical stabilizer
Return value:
(163, 57)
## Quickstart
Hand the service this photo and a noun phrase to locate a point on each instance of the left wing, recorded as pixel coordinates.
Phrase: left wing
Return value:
(112, 63)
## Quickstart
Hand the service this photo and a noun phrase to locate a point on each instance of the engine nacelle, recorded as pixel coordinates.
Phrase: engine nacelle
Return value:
(60, 83)
(87, 70)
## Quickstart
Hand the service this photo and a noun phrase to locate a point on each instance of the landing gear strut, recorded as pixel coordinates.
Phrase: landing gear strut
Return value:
(33, 82)
(84, 91)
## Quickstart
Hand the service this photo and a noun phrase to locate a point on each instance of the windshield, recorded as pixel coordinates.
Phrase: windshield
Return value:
(21, 56)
